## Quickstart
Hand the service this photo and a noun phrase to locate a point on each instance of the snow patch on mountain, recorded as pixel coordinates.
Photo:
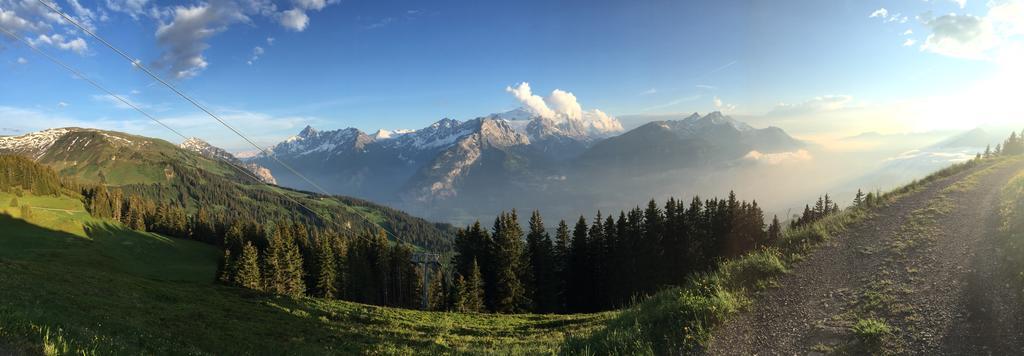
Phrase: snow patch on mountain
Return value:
(34, 144)
(207, 150)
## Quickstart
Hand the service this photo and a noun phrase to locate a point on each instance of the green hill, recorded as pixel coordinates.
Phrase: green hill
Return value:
(83, 285)
(162, 171)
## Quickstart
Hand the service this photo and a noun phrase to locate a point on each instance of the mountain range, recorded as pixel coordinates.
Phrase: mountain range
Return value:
(451, 168)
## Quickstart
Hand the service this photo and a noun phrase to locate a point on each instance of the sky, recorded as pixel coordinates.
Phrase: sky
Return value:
(819, 69)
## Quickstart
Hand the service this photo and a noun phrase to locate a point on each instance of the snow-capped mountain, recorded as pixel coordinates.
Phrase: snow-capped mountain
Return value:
(212, 152)
(454, 164)
(33, 144)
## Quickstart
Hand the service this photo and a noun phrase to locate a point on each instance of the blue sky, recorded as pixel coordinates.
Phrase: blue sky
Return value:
(812, 67)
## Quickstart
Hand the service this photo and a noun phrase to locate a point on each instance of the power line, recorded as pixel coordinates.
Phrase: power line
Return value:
(138, 64)
(121, 99)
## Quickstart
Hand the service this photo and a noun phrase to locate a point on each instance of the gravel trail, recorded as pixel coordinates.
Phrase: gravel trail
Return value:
(927, 264)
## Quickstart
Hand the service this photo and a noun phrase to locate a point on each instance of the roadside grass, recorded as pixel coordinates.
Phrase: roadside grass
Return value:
(872, 333)
(1011, 229)
(679, 320)
(103, 289)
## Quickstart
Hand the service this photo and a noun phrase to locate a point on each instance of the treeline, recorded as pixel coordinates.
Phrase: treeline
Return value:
(283, 257)
(194, 189)
(598, 265)
(1013, 145)
(19, 173)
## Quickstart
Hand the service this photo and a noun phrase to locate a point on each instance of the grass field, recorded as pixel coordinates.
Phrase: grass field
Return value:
(85, 286)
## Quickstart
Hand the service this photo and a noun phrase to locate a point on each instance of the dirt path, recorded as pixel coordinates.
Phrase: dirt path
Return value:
(927, 265)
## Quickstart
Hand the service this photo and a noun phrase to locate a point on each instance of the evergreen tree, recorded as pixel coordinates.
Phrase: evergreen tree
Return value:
(541, 262)
(774, 230)
(437, 292)
(858, 200)
(470, 291)
(326, 280)
(248, 268)
(227, 268)
(507, 251)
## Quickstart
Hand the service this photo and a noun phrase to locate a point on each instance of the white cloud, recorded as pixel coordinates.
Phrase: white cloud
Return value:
(562, 106)
(184, 38)
(649, 91)
(909, 42)
(62, 104)
(814, 105)
(881, 12)
(311, 4)
(294, 19)
(779, 158)
(532, 102)
(962, 3)
(76, 45)
(21, 60)
(133, 8)
(908, 32)
(997, 36)
(256, 53)
(270, 41)
(721, 106)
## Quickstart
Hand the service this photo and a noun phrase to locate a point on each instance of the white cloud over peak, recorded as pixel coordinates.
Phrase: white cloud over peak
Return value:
(722, 106)
(563, 106)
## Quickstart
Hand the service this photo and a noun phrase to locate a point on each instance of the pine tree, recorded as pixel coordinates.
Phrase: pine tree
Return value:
(294, 283)
(988, 151)
(509, 297)
(227, 268)
(326, 281)
(248, 268)
(540, 262)
(471, 291)
(774, 230)
(437, 292)
(858, 199)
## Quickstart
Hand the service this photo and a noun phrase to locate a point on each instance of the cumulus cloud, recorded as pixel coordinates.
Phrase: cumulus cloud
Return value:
(184, 38)
(908, 32)
(562, 106)
(816, 104)
(62, 104)
(989, 37)
(881, 12)
(722, 106)
(76, 45)
(909, 42)
(294, 19)
(778, 158)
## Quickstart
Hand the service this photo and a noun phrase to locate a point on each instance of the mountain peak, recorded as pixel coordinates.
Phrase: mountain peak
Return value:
(308, 132)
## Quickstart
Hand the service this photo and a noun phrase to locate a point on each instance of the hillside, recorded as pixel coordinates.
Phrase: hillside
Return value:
(165, 172)
(923, 275)
(86, 285)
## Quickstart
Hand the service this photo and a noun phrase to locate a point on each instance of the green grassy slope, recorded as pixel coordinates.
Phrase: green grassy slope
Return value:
(139, 163)
(90, 286)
